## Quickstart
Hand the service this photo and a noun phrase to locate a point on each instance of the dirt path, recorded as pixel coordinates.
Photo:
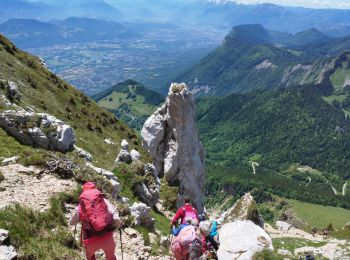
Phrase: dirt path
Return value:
(21, 186)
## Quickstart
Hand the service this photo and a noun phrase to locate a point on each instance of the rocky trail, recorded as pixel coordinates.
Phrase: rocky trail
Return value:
(22, 186)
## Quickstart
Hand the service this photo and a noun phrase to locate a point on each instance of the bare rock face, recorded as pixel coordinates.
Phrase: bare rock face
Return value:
(171, 137)
(245, 209)
(38, 130)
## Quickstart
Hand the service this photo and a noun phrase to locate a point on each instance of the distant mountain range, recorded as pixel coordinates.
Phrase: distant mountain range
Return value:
(196, 14)
(252, 57)
(29, 33)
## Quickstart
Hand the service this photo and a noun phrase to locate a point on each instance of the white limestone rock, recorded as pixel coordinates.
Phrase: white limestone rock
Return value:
(83, 154)
(283, 226)
(116, 186)
(135, 155)
(240, 240)
(13, 93)
(38, 130)
(124, 155)
(4, 234)
(171, 137)
(11, 160)
(8, 253)
(141, 214)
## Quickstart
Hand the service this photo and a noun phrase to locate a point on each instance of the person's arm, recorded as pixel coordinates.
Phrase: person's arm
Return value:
(75, 218)
(177, 216)
(115, 214)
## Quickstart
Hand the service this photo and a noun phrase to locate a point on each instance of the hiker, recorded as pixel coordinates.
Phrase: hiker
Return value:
(187, 244)
(176, 230)
(209, 245)
(314, 231)
(187, 211)
(98, 218)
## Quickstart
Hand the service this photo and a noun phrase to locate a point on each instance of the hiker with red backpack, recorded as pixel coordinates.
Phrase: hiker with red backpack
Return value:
(185, 212)
(98, 218)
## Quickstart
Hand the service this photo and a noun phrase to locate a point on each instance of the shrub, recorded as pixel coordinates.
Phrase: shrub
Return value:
(267, 255)
(168, 195)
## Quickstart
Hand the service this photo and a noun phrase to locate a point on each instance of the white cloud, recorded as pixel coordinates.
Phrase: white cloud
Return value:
(344, 4)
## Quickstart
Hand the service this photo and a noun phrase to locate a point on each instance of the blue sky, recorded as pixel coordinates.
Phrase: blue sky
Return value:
(343, 4)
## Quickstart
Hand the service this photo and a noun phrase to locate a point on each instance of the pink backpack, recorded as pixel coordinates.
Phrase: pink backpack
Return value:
(188, 214)
(94, 214)
(186, 243)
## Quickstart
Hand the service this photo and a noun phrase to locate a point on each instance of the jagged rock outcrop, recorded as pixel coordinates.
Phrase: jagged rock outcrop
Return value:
(38, 130)
(141, 213)
(124, 155)
(240, 240)
(245, 209)
(148, 189)
(170, 136)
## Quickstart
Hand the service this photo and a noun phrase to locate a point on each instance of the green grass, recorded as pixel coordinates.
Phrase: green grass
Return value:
(49, 94)
(41, 235)
(320, 216)
(161, 223)
(292, 243)
(339, 77)
(267, 255)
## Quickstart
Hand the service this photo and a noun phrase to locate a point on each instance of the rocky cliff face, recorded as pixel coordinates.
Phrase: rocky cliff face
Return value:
(170, 135)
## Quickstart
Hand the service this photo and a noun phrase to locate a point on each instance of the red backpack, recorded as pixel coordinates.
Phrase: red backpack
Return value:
(94, 215)
(188, 214)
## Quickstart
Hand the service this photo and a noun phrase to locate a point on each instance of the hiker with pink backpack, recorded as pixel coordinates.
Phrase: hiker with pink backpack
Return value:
(187, 211)
(99, 219)
(186, 243)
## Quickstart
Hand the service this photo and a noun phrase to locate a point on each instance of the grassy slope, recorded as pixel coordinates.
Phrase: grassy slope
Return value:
(130, 101)
(38, 235)
(47, 93)
(320, 216)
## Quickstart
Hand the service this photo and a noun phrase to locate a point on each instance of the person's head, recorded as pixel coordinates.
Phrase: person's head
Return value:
(188, 221)
(194, 222)
(187, 199)
(89, 186)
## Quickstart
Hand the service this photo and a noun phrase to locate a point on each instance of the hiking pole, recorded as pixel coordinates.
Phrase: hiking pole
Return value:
(121, 242)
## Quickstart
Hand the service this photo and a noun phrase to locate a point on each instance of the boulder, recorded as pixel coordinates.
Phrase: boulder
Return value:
(8, 253)
(283, 226)
(135, 155)
(11, 160)
(4, 234)
(148, 190)
(124, 155)
(13, 93)
(83, 154)
(38, 130)
(171, 137)
(241, 240)
(141, 214)
(245, 209)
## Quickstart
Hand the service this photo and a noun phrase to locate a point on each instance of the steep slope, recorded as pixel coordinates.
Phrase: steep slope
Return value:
(250, 58)
(283, 131)
(46, 183)
(130, 101)
(45, 92)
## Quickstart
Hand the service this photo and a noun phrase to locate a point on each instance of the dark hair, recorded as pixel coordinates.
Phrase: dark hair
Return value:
(187, 200)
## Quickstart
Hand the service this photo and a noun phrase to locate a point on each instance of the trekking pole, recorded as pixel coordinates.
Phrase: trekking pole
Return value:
(121, 242)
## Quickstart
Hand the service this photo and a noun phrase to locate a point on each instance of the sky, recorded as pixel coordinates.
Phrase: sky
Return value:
(342, 4)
